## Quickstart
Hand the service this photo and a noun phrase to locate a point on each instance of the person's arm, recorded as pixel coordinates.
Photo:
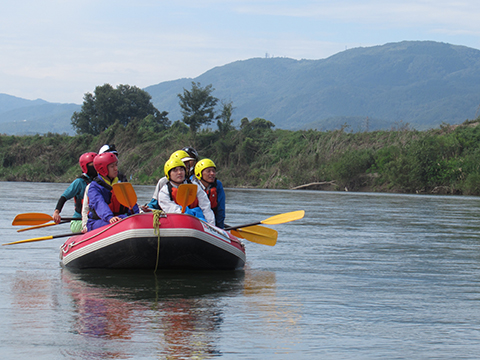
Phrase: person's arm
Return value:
(220, 213)
(73, 189)
(153, 204)
(163, 181)
(58, 209)
(85, 209)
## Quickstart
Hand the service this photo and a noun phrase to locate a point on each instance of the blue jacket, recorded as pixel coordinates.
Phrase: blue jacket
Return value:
(220, 210)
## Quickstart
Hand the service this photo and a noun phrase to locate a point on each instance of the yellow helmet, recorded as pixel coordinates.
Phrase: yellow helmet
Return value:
(202, 165)
(182, 155)
(172, 164)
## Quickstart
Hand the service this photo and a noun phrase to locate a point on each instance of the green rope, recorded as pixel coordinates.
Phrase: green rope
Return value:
(157, 214)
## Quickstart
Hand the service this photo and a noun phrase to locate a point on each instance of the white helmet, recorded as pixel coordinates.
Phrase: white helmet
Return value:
(108, 148)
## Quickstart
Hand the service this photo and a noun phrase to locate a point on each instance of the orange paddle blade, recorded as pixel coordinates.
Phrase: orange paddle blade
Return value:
(125, 194)
(186, 195)
(31, 219)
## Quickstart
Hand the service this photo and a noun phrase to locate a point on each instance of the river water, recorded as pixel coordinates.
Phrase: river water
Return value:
(362, 276)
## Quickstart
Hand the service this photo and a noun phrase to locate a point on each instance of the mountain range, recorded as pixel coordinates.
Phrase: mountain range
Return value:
(420, 83)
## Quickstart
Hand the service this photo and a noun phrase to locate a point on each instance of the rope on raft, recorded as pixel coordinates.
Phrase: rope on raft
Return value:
(157, 215)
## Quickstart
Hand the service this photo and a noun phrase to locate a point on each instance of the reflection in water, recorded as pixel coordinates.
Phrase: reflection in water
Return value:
(277, 316)
(31, 295)
(180, 311)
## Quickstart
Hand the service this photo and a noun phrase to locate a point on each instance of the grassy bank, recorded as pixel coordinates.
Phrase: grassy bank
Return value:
(445, 160)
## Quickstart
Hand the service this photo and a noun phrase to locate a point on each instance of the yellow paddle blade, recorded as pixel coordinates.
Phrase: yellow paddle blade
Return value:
(125, 194)
(257, 234)
(284, 218)
(30, 240)
(186, 195)
(31, 219)
(37, 227)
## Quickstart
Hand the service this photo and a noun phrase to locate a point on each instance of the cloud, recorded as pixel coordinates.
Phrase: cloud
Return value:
(452, 14)
(59, 49)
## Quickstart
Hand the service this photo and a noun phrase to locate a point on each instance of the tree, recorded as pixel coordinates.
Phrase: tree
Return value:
(224, 120)
(157, 122)
(107, 105)
(198, 106)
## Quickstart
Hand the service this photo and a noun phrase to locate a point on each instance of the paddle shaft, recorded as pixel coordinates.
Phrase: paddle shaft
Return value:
(41, 226)
(43, 238)
(242, 226)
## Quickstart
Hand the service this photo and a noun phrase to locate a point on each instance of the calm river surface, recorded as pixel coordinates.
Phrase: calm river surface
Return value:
(362, 276)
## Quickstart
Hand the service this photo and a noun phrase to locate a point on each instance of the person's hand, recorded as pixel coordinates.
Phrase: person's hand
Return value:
(114, 219)
(145, 208)
(56, 217)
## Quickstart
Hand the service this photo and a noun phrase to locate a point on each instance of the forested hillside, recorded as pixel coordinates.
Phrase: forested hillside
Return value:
(422, 83)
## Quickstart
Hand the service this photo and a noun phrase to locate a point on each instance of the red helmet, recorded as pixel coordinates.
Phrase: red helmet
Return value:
(102, 161)
(86, 159)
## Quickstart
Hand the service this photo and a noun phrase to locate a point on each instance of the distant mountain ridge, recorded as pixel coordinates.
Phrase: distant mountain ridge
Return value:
(423, 83)
(28, 117)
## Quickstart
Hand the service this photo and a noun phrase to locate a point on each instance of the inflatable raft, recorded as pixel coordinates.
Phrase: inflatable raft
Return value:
(153, 241)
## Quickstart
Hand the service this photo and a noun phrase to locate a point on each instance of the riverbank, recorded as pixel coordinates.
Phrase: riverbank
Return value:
(438, 161)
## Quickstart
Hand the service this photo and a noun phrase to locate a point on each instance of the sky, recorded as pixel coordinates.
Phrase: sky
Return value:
(58, 50)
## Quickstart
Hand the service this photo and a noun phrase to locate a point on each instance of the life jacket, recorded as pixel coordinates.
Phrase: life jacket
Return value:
(172, 191)
(114, 204)
(212, 195)
(79, 201)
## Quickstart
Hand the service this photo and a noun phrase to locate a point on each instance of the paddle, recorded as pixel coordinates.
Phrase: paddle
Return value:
(125, 194)
(274, 220)
(34, 219)
(42, 238)
(41, 226)
(186, 195)
(257, 234)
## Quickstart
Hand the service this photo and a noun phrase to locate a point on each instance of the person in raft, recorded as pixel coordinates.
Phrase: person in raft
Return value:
(175, 172)
(206, 177)
(190, 164)
(186, 159)
(111, 148)
(76, 191)
(104, 206)
(121, 178)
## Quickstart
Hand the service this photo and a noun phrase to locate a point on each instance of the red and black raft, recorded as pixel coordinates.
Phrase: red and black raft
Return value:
(148, 241)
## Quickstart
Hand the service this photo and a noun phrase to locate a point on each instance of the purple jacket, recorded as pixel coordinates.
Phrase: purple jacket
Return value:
(99, 197)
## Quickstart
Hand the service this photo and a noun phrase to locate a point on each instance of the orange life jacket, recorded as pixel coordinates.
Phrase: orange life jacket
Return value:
(115, 206)
(212, 194)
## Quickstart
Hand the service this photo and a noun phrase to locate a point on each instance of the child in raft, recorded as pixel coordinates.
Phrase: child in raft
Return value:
(104, 206)
(76, 190)
(153, 204)
(175, 171)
